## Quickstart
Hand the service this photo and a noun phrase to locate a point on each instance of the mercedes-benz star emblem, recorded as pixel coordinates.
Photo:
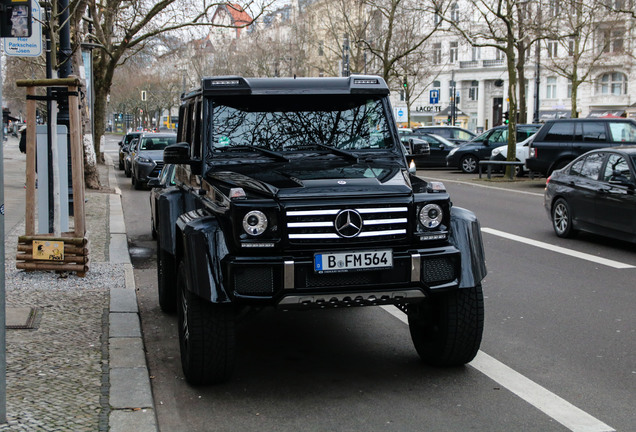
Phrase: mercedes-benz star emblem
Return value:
(348, 223)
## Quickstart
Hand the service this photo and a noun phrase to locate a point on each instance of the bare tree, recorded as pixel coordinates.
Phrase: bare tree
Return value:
(588, 30)
(502, 24)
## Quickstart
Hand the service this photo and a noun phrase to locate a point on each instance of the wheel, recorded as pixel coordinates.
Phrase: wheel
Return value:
(121, 164)
(562, 219)
(166, 280)
(136, 183)
(519, 171)
(468, 164)
(206, 336)
(127, 170)
(447, 329)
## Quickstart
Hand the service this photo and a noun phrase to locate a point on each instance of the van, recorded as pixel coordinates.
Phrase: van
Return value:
(560, 141)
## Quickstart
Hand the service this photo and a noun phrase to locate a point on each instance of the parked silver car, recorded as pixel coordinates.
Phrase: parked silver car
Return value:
(147, 157)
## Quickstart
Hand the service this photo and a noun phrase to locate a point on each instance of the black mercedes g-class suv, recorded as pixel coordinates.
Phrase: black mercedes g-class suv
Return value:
(296, 194)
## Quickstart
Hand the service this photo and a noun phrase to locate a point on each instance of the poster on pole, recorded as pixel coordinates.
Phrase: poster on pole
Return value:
(27, 46)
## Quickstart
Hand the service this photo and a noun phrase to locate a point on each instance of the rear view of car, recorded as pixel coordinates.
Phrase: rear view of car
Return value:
(560, 141)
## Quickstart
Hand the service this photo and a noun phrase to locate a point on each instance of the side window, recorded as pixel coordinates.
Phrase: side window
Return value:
(524, 134)
(593, 131)
(577, 167)
(622, 132)
(615, 163)
(182, 122)
(592, 166)
(560, 132)
(499, 136)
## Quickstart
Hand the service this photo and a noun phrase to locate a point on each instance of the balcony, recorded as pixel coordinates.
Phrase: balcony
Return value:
(473, 64)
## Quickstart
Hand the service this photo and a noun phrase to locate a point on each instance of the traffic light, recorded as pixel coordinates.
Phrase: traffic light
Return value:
(448, 121)
(405, 84)
(505, 117)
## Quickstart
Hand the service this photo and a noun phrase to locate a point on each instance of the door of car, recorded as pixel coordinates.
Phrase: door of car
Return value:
(584, 187)
(438, 151)
(615, 204)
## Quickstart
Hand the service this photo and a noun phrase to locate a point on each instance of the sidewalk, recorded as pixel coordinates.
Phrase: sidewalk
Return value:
(75, 358)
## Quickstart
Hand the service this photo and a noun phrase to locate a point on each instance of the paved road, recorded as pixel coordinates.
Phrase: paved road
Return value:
(558, 350)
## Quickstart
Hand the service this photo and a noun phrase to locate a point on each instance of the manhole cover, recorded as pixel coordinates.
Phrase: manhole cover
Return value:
(21, 318)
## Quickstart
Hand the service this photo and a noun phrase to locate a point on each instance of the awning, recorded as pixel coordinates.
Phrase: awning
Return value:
(554, 114)
(619, 113)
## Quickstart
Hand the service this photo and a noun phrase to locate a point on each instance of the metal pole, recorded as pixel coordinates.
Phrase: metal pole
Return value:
(537, 81)
(3, 304)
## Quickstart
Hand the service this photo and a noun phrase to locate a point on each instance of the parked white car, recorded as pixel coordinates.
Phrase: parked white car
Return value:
(523, 149)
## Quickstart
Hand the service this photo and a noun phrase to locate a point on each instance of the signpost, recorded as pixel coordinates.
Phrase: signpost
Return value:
(27, 46)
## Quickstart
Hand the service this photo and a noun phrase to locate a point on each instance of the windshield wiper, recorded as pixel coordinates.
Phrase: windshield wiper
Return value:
(267, 152)
(338, 151)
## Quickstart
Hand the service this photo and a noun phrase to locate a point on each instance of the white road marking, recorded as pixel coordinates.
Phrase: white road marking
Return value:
(547, 402)
(558, 249)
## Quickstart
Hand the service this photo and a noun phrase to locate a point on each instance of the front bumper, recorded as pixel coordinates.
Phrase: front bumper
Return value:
(292, 282)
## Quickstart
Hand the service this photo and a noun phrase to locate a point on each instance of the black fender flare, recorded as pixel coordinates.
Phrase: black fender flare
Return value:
(466, 236)
(171, 204)
(201, 246)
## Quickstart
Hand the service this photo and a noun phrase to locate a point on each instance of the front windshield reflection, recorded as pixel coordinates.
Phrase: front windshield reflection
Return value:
(300, 123)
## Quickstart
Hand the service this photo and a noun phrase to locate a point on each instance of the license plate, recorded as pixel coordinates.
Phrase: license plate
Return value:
(347, 261)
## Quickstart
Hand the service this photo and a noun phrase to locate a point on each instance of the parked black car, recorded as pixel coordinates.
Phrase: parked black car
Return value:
(416, 149)
(438, 148)
(124, 147)
(453, 134)
(295, 193)
(560, 141)
(467, 156)
(595, 193)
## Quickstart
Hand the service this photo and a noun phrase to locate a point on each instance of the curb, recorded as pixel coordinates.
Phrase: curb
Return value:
(130, 397)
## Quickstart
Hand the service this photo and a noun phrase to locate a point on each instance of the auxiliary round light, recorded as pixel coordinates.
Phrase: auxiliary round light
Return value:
(255, 223)
(431, 215)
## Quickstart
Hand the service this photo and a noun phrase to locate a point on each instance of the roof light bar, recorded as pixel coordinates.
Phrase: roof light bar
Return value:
(233, 82)
(365, 81)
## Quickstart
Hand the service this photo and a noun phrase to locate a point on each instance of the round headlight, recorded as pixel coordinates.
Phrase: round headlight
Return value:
(431, 215)
(255, 223)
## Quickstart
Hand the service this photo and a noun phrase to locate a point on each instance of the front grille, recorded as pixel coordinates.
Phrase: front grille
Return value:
(329, 225)
(438, 270)
(341, 279)
(254, 280)
(157, 170)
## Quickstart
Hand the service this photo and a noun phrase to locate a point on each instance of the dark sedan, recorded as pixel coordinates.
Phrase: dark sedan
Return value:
(467, 156)
(124, 147)
(147, 157)
(595, 193)
(417, 149)
(438, 146)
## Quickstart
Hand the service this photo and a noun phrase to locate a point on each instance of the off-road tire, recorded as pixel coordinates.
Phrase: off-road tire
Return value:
(166, 280)
(447, 328)
(468, 164)
(206, 336)
(561, 216)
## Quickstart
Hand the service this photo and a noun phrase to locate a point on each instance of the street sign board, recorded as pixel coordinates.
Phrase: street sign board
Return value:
(29, 46)
(434, 97)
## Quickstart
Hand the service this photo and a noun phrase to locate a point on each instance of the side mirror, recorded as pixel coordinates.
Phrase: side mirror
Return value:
(177, 154)
(621, 180)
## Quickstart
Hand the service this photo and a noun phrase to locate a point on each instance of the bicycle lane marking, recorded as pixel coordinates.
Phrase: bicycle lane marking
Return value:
(544, 400)
(558, 249)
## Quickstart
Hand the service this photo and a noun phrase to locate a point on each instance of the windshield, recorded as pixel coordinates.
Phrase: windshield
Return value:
(157, 143)
(295, 123)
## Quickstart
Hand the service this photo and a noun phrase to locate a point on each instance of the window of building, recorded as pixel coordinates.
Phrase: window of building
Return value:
(555, 8)
(453, 52)
(569, 88)
(551, 88)
(552, 48)
(476, 53)
(614, 83)
(571, 47)
(611, 40)
(437, 53)
(499, 54)
(455, 12)
(473, 91)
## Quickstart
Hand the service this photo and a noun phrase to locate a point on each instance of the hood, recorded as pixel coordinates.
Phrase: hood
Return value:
(310, 179)
(155, 155)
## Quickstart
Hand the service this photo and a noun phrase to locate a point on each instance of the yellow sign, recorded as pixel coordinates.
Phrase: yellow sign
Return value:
(48, 250)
